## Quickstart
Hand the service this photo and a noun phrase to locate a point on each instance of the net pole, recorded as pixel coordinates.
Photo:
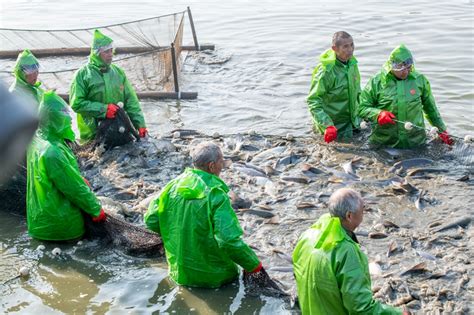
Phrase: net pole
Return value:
(175, 68)
(193, 30)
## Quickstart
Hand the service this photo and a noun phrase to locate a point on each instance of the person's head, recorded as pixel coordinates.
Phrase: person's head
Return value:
(27, 67)
(343, 45)
(207, 156)
(347, 204)
(55, 118)
(102, 47)
(400, 62)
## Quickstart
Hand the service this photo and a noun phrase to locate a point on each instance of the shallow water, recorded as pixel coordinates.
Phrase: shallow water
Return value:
(272, 50)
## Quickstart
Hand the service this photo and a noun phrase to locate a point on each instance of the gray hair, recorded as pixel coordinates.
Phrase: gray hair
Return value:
(344, 200)
(338, 36)
(205, 153)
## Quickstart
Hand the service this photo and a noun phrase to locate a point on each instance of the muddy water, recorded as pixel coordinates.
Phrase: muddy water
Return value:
(270, 51)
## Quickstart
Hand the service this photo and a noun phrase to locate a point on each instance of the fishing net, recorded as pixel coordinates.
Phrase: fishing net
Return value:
(143, 50)
(260, 283)
(13, 192)
(133, 239)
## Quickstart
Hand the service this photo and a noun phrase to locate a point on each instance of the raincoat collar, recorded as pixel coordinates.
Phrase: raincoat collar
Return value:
(196, 184)
(330, 232)
(329, 58)
(100, 40)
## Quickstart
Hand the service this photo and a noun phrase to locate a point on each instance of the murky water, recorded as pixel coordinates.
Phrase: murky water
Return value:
(273, 49)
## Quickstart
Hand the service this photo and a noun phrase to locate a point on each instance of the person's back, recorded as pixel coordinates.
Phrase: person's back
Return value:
(56, 192)
(331, 271)
(201, 233)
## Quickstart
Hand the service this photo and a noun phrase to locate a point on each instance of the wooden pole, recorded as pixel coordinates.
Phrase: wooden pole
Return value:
(154, 95)
(175, 68)
(193, 30)
(57, 52)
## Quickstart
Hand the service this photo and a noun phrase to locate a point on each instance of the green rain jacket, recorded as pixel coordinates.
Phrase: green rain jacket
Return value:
(200, 231)
(332, 273)
(95, 86)
(334, 93)
(407, 99)
(56, 192)
(32, 93)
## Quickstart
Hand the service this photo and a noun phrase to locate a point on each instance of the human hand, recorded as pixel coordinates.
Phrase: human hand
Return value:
(100, 218)
(111, 111)
(330, 134)
(386, 117)
(143, 132)
(446, 138)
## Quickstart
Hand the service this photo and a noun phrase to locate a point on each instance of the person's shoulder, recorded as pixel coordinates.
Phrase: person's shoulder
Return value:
(117, 68)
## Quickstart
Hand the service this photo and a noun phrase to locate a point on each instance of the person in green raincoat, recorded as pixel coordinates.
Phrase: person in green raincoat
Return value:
(398, 95)
(335, 89)
(331, 272)
(200, 231)
(56, 193)
(98, 88)
(26, 84)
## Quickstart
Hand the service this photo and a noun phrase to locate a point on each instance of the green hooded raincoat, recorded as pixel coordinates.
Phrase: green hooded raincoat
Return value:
(32, 93)
(56, 192)
(95, 86)
(200, 231)
(332, 274)
(334, 93)
(407, 99)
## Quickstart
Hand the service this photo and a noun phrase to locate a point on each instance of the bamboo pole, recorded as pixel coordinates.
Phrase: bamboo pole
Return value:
(175, 68)
(193, 30)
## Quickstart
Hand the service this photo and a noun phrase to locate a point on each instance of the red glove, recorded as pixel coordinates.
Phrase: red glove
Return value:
(385, 117)
(142, 132)
(446, 138)
(100, 218)
(259, 267)
(87, 182)
(330, 134)
(111, 111)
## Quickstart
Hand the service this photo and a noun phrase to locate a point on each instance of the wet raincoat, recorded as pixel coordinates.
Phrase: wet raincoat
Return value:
(56, 192)
(332, 273)
(200, 231)
(98, 84)
(334, 93)
(32, 93)
(407, 99)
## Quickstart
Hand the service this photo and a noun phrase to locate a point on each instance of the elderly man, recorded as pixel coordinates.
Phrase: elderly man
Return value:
(335, 89)
(99, 87)
(56, 192)
(332, 274)
(26, 84)
(399, 92)
(200, 231)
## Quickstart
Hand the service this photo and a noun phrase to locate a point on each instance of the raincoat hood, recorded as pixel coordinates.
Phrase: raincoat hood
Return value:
(330, 232)
(329, 58)
(400, 54)
(55, 121)
(198, 187)
(25, 58)
(100, 40)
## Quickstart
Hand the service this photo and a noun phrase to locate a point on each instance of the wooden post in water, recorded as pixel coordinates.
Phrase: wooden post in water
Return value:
(193, 30)
(175, 68)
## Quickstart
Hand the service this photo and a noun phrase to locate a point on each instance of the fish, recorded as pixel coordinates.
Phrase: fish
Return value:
(377, 235)
(287, 160)
(392, 248)
(375, 269)
(349, 168)
(184, 133)
(267, 154)
(460, 222)
(426, 170)
(260, 213)
(418, 268)
(410, 163)
(390, 224)
(404, 187)
(283, 255)
(418, 204)
(248, 170)
(425, 255)
(281, 268)
(305, 205)
(114, 132)
(238, 202)
(296, 179)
